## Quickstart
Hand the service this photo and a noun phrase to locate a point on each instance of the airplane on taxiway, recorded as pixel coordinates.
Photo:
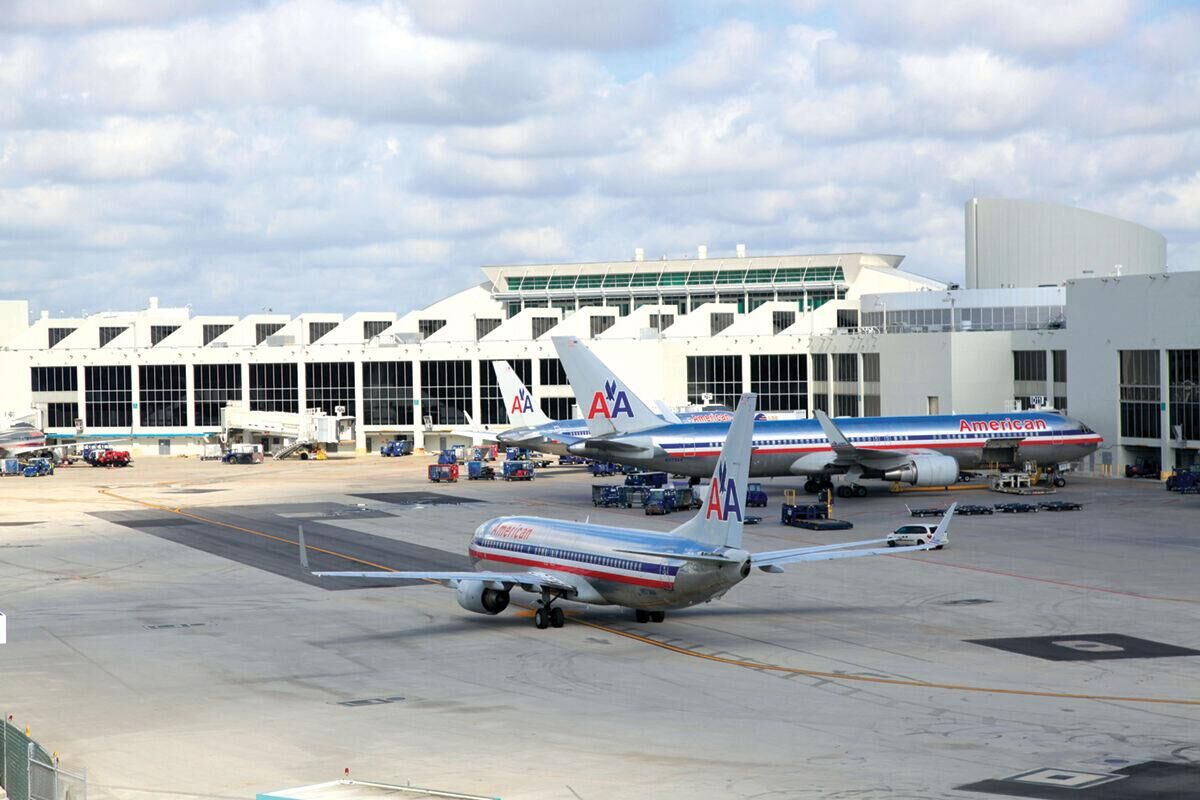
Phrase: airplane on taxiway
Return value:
(650, 572)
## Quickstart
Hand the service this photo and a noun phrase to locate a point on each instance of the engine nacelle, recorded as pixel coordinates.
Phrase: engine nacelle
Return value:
(474, 596)
(926, 470)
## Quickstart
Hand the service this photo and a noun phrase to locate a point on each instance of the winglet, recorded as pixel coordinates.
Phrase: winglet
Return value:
(303, 550)
(833, 433)
(942, 534)
(666, 413)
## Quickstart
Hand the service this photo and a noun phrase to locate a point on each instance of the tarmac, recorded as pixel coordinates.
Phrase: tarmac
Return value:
(162, 636)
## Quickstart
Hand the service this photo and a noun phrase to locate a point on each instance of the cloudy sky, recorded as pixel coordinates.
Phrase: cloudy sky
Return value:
(326, 155)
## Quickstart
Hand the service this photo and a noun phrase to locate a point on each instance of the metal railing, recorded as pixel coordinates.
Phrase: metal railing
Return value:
(28, 772)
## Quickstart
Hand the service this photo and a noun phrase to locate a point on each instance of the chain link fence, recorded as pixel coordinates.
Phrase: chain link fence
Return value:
(28, 772)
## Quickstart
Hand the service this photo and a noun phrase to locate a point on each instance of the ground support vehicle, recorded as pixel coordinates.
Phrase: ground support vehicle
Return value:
(660, 501)
(518, 471)
(604, 468)
(1185, 480)
(656, 480)
(571, 461)
(912, 534)
(479, 471)
(1143, 468)
(611, 497)
(792, 513)
(443, 473)
(112, 458)
(447, 457)
(972, 510)
(516, 454)
(395, 448)
(927, 512)
(755, 496)
(1016, 508)
(1060, 505)
(37, 468)
(11, 466)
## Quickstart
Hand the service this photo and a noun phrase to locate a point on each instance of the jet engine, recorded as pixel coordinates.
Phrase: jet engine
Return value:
(474, 596)
(926, 470)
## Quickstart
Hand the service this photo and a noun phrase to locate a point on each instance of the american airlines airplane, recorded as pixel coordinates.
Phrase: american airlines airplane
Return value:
(647, 571)
(923, 451)
(22, 439)
(531, 427)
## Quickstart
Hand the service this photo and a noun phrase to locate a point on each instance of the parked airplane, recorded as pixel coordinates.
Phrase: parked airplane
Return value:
(531, 427)
(24, 440)
(647, 571)
(924, 451)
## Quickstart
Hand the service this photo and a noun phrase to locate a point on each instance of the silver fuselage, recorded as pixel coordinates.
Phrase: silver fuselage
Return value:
(799, 447)
(591, 559)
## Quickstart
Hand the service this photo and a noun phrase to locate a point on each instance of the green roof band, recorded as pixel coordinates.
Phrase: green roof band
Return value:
(725, 277)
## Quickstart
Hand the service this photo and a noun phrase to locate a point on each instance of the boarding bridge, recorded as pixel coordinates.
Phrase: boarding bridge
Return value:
(306, 429)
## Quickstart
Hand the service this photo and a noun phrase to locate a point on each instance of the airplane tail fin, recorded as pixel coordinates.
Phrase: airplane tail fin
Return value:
(607, 403)
(722, 513)
(522, 409)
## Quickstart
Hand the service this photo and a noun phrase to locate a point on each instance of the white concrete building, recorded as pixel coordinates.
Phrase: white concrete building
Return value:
(853, 334)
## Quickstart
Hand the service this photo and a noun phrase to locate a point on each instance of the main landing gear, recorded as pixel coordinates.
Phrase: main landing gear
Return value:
(548, 615)
(643, 615)
(815, 485)
(851, 490)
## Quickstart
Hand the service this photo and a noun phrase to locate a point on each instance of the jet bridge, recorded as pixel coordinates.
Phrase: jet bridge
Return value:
(308, 429)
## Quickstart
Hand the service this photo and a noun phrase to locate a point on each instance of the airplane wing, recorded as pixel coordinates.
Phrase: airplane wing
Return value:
(530, 581)
(773, 561)
(471, 430)
(84, 443)
(847, 453)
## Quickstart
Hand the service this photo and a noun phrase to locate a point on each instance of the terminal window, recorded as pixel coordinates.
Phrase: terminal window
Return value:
(551, 372)
(542, 325)
(108, 396)
(56, 335)
(720, 377)
(719, 322)
(428, 327)
(214, 385)
(211, 332)
(160, 332)
(872, 402)
(274, 387)
(53, 379)
(318, 329)
(264, 329)
(446, 391)
(1183, 368)
(485, 326)
(1140, 394)
(162, 395)
(61, 415)
(558, 408)
(374, 327)
(493, 410)
(599, 325)
(782, 320)
(780, 381)
(328, 385)
(387, 393)
(107, 334)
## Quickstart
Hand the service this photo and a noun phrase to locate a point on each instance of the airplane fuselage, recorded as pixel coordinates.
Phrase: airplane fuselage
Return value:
(799, 447)
(21, 440)
(593, 559)
(557, 437)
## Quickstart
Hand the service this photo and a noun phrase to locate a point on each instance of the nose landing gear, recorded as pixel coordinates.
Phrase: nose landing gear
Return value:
(649, 616)
(548, 615)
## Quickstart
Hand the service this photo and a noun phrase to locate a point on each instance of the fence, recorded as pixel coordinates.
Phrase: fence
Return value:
(28, 772)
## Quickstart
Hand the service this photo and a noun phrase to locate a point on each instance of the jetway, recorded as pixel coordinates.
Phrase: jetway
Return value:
(310, 428)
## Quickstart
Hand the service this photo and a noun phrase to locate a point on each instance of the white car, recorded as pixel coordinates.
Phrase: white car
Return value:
(914, 534)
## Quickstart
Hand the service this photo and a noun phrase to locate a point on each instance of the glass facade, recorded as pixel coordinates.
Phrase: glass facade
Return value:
(274, 387)
(872, 400)
(845, 385)
(211, 332)
(328, 385)
(558, 408)
(53, 379)
(1140, 394)
(162, 395)
(214, 385)
(108, 396)
(820, 380)
(387, 393)
(551, 372)
(264, 329)
(780, 381)
(446, 391)
(61, 415)
(1183, 386)
(493, 410)
(998, 318)
(160, 332)
(718, 376)
(632, 281)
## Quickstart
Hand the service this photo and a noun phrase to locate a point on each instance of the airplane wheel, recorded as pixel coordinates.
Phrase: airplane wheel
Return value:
(860, 491)
(540, 619)
(1060, 481)
(641, 616)
(811, 487)
(557, 618)
(844, 491)
(658, 616)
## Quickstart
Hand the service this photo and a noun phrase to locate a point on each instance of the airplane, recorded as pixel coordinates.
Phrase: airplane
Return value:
(25, 440)
(531, 428)
(923, 451)
(648, 571)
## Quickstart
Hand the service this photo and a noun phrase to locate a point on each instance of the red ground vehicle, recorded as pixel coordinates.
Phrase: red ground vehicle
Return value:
(112, 458)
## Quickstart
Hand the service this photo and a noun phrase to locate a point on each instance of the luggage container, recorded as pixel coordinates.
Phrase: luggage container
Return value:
(656, 480)
(518, 471)
(479, 471)
(443, 473)
(10, 466)
(660, 501)
(755, 496)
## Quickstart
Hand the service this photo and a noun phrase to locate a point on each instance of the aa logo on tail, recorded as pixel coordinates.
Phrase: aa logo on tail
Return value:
(723, 497)
(610, 403)
(522, 402)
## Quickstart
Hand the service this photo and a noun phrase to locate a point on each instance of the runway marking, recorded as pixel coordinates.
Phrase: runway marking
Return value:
(718, 659)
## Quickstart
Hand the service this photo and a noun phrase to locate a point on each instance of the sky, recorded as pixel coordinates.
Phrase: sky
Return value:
(330, 155)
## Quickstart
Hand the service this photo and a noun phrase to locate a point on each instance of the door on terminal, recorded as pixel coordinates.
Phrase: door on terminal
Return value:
(933, 405)
(164, 447)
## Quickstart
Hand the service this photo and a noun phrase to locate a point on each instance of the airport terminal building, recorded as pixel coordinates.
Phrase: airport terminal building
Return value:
(1059, 308)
